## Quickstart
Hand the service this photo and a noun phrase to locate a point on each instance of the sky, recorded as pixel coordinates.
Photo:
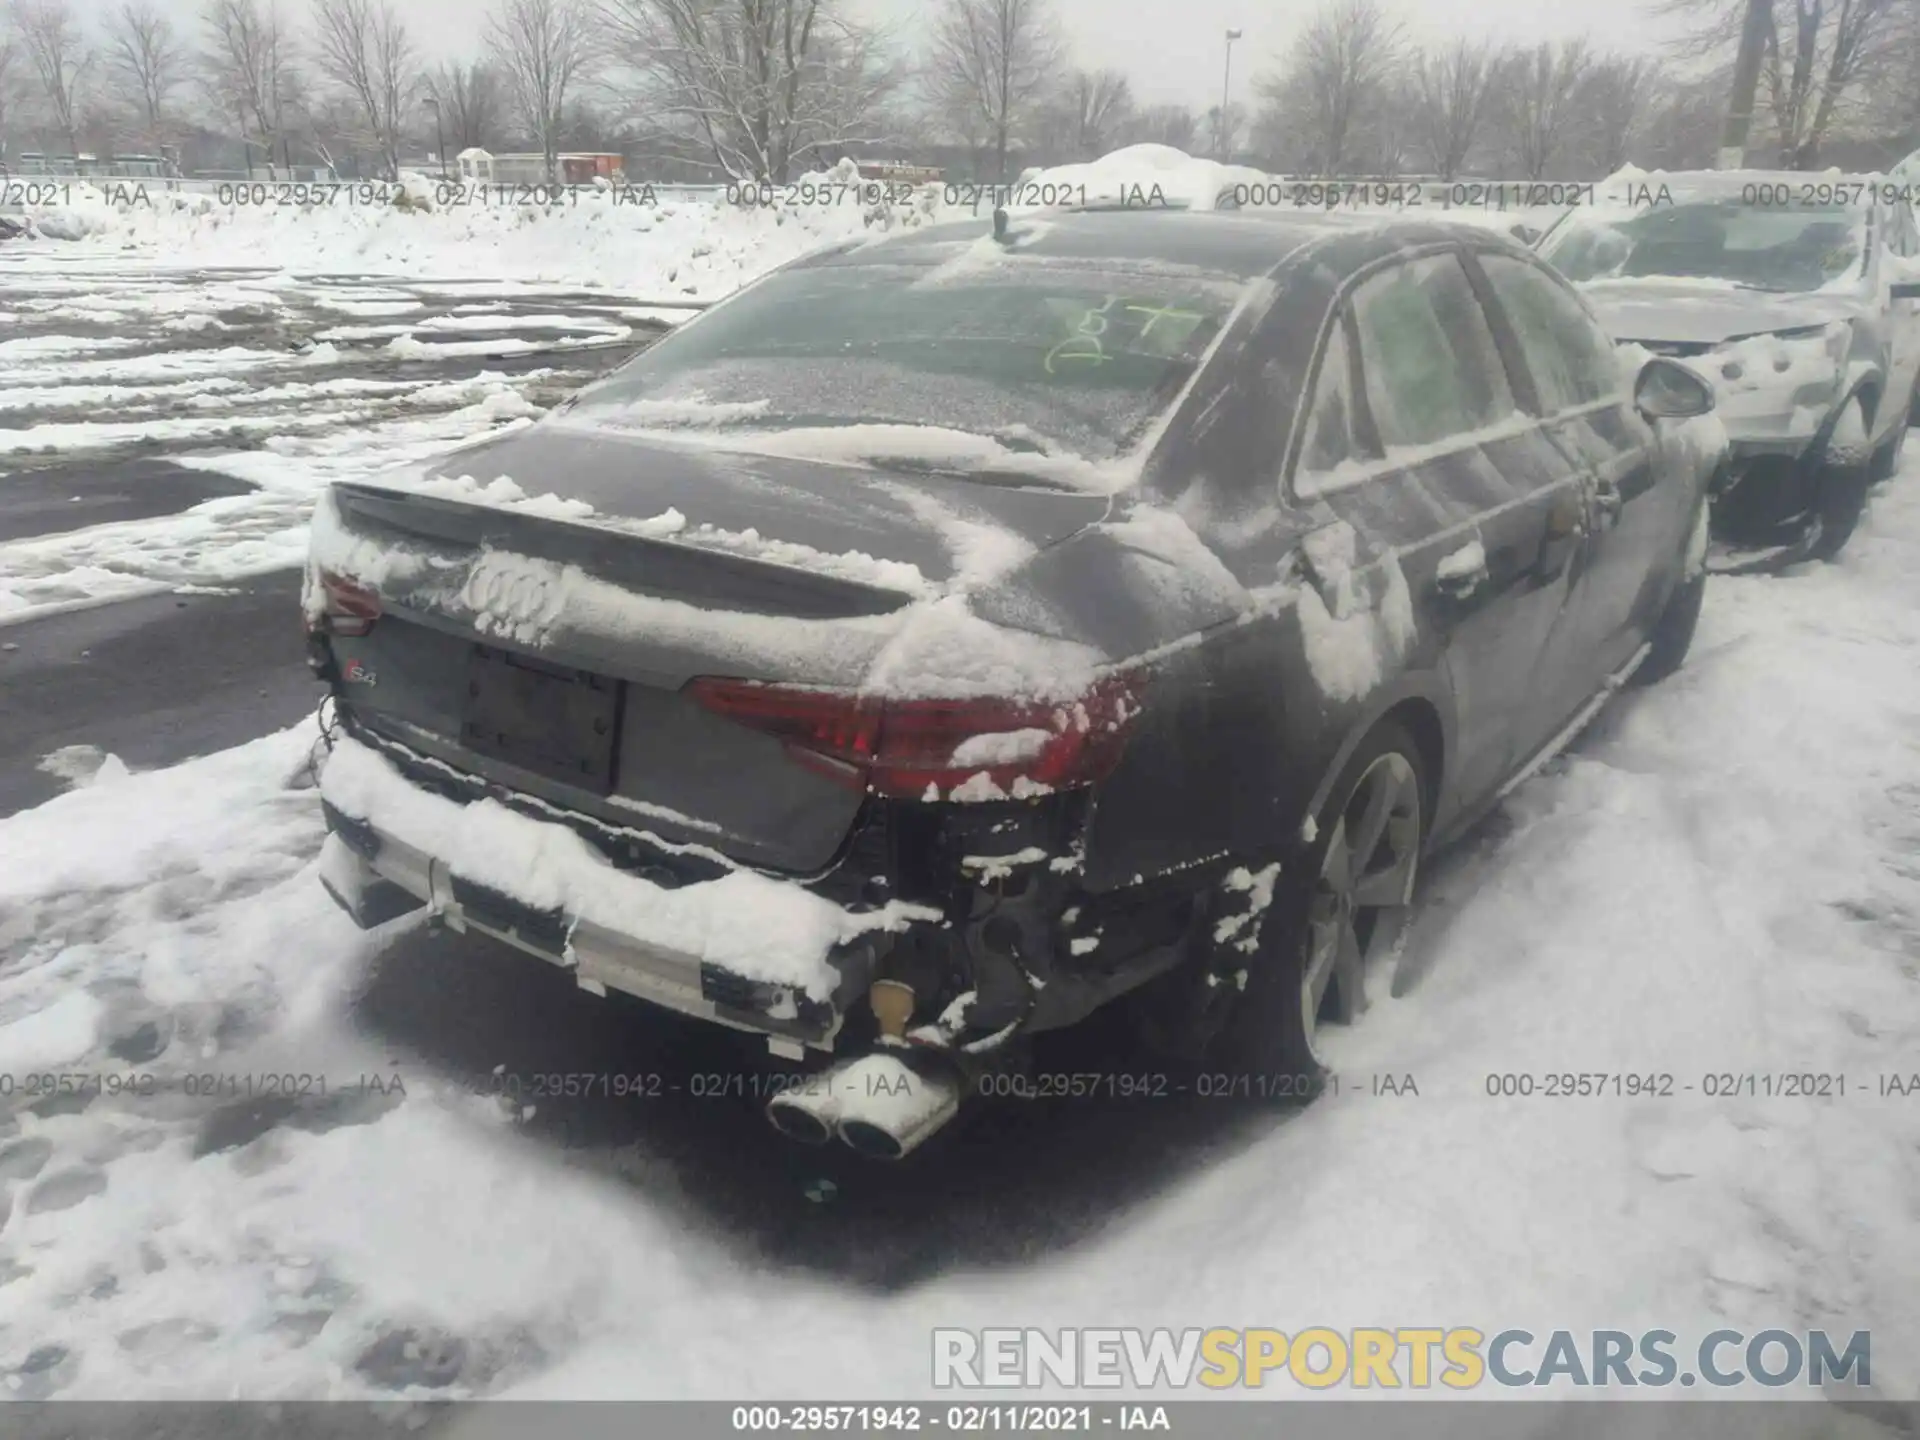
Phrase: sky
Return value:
(1171, 49)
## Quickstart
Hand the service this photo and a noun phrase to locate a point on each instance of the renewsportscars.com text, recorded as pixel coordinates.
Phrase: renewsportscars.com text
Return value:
(1412, 1358)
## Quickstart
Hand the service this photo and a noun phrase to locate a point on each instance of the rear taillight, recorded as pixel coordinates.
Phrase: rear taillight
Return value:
(350, 607)
(901, 747)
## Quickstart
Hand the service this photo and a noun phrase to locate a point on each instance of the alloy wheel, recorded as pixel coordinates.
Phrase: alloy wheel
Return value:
(1361, 897)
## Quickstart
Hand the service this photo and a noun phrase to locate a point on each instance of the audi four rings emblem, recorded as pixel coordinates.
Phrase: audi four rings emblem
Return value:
(514, 595)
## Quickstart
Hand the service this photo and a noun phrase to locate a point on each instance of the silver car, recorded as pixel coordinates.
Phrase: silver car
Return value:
(1798, 297)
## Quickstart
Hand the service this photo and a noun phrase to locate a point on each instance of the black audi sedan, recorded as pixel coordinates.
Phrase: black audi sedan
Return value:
(954, 632)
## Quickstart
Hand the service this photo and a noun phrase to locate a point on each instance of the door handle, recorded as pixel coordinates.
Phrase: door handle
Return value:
(1563, 520)
(1461, 580)
(1565, 528)
(1607, 500)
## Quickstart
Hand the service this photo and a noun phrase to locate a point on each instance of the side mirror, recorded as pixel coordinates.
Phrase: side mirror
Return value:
(1526, 234)
(1666, 390)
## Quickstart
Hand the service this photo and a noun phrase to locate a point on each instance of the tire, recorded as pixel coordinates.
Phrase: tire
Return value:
(1672, 634)
(1887, 460)
(1270, 1042)
(1842, 499)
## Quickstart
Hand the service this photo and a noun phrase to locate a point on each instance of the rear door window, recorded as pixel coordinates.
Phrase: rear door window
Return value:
(1431, 366)
(1330, 439)
(1572, 361)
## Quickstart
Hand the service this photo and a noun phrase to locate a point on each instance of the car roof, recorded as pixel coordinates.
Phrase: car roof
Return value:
(1239, 243)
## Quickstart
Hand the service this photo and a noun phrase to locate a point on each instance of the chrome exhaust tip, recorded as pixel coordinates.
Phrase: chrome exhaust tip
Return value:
(804, 1115)
(889, 1108)
(883, 1105)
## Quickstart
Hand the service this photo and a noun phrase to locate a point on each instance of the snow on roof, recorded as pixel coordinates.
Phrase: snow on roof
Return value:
(1152, 175)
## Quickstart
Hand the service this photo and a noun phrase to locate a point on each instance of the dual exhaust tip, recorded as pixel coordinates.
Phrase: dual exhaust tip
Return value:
(878, 1105)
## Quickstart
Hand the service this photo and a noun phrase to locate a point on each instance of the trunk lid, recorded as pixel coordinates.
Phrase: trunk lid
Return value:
(545, 597)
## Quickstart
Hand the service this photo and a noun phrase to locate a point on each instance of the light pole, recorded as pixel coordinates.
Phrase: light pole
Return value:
(1226, 88)
(1746, 80)
(439, 137)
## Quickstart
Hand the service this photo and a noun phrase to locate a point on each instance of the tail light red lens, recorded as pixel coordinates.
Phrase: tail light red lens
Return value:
(901, 747)
(351, 608)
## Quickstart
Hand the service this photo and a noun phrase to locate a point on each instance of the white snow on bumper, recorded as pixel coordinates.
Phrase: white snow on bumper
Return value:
(622, 931)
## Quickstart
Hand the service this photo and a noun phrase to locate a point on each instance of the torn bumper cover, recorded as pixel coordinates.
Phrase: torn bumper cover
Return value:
(404, 847)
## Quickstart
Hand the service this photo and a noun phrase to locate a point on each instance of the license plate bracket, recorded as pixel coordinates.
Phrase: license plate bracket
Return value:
(552, 720)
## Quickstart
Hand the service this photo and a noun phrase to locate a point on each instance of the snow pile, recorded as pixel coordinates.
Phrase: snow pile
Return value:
(652, 245)
(1148, 176)
(82, 211)
(415, 191)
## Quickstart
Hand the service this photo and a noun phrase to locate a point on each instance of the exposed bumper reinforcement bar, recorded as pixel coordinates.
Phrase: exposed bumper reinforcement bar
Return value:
(376, 877)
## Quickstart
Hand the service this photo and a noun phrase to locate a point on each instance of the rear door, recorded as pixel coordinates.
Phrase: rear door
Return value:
(1637, 521)
(1418, 441)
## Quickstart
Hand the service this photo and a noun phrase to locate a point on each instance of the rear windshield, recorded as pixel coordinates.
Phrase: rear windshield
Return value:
(1074, 359)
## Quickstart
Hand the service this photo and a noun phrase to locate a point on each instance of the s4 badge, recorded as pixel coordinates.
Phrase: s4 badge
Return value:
(358, 672)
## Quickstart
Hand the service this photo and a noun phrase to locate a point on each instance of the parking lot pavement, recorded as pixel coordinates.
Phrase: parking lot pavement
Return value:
(162, 435)
(152, 680)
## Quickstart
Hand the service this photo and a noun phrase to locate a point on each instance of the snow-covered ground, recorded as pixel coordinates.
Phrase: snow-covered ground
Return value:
(283, 382)
(1722, 879)
(647, 244)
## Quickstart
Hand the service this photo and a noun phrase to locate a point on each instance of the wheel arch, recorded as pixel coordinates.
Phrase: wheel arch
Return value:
(1420, 702)
(1866, 384)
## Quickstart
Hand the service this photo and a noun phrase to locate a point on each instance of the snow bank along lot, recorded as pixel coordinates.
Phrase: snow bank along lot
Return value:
(1720, 883)
(645, 240)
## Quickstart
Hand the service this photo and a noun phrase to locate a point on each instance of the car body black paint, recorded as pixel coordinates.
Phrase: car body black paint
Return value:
(1238, 738)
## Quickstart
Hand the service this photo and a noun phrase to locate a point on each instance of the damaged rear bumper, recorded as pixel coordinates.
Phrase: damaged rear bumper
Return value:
(396, 879)
(377, 875)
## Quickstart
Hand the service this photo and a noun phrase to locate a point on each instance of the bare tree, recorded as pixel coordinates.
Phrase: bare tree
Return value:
(327, 122)
(541, 47)
(57, 52)
(991, 62)
(249, 73)
(1225, 138)
(1812, 71)
(1322, 105)
(1086, 115)
(472, 101)
(754, 84)
(1682, 127)
(1451, 94)
(147, 62)
(1174, 125)
(363, 47)
(1540, 92)
(1821, 59)
(1616, 101)
(1894, 105)
(9, 68)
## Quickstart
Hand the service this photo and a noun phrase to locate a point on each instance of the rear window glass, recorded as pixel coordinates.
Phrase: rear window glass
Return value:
(1044, 356)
